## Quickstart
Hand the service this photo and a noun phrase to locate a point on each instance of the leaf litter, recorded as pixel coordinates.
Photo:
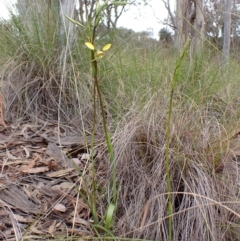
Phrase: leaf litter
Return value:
(40, 174)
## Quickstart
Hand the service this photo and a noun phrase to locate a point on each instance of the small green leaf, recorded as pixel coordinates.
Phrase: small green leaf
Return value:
(104, 5)
(89, 45)
(97, 20)
(75, 22)
(98, 8)
(119, 3)
(109, 215)
(107, 47)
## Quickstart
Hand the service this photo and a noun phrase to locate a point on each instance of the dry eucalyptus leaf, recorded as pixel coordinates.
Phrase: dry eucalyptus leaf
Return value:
(7, 163)
(35, 230)
(67, 185)
(60, 207)
(52, 227)
(86, 156)
(22, 219)
(64, 185)
(76, 161)
(10, 156)
(80, 221)
(34, 170)
(26, 151)
(60, 173)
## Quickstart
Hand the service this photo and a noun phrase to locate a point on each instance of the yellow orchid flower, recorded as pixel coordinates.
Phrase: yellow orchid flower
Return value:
(99, 53)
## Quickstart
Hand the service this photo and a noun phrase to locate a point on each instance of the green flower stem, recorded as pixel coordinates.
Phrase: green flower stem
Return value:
(168, 130)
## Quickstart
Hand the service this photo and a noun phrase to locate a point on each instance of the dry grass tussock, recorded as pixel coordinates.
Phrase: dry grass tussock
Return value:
(41, 77)
(58, 93)
(204, 176)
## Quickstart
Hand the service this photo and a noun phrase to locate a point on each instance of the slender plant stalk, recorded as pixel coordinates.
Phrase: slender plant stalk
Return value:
(112, 201)
(168, 132)
(106, 133)
(95, 73)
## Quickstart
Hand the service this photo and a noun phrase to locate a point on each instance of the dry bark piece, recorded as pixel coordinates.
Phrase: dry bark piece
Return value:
(15, 197)
(54, 151)
(48, 191)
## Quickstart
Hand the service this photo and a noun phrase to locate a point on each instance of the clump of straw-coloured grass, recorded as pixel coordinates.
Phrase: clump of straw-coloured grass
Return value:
(204, 176)
(41, 77)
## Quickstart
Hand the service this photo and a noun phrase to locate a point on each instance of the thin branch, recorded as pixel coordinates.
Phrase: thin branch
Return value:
(167, 6)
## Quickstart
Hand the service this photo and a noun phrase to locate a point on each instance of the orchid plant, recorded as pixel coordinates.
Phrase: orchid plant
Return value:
(96, 55)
